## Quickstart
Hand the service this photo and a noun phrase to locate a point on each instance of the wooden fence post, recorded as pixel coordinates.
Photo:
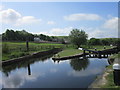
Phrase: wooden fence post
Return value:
(84, 52)
(27, 44)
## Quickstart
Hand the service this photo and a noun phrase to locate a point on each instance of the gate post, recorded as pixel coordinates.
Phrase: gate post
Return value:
(27, 44)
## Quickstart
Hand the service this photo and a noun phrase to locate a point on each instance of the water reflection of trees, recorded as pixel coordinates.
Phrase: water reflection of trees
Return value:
(23, 64)
(79, 64)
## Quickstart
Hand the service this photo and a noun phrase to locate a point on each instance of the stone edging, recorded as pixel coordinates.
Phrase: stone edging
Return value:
(100, 80)
(38, 54)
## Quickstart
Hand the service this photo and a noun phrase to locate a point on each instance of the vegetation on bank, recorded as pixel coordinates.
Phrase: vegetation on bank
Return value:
(115, 56)
(73, 50)
(108, 76)
(97, 47)
(12, 50)
(69, 52)
(109, 79)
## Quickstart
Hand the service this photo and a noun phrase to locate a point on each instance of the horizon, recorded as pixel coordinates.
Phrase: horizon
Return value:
(62, 36)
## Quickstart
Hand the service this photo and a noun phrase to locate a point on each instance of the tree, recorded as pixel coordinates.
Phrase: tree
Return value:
(79, 64)
(78, 37)
(94, 41)
(105, 42)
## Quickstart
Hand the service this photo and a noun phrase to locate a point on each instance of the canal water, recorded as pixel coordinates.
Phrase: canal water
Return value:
(45, 73)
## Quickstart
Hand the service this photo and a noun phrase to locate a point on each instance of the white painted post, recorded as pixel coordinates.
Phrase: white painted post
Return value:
(116, 73)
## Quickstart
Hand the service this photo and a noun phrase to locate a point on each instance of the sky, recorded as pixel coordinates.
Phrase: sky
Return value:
(97, 19)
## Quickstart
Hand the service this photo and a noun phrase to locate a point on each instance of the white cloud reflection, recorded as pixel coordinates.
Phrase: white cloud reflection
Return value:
(18, 79)
(53, 70)
(93, 71)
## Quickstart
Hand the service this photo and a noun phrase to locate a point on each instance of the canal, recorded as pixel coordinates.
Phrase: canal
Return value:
(45, 73)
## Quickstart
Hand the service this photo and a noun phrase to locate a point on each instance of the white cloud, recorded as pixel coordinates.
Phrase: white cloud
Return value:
(102, 33)
(1, 7)
(61, 31)
(82, 16)
(27, 20)
(57, 31)
(108, 29)
(11, 16)
(111, 24)
(50, 22)
(96, 34)
(93, 71)
(92, 32)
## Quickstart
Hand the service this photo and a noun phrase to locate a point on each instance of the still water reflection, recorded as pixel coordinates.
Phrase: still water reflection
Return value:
(45, 73)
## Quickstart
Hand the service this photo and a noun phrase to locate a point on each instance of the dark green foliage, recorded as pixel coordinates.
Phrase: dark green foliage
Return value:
(104, 41)
(113, 41)
(78, 37)
(5, 48)
(44, 37)
(11, 35)
(94, 41)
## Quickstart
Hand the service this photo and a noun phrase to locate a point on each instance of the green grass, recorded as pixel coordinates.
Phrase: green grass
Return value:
(110, 80)
(23, 44)
(69, 52)
(14, 55)
(115, 56)
(98, 47)
(109, 77)
(18, 49)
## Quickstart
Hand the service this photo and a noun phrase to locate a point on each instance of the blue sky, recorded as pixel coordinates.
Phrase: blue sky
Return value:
(98, 19)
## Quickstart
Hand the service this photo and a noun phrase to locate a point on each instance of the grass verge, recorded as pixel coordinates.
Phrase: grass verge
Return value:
(109, 79)
(11, 50)
(69, 52)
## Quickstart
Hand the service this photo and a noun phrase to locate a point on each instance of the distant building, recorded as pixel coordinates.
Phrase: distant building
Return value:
(111, 45)
(36, 39)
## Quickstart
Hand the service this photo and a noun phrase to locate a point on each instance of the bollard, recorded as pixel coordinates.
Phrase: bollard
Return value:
(116, 74)
(104, 47)
(95, 49)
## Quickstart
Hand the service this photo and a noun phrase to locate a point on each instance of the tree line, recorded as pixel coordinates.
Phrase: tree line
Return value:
(80, 37)
(11, 35)
(104, 41)
(76, 36)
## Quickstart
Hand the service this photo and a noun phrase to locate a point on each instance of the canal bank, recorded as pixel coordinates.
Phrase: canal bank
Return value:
(34, 55)
(106, 79)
